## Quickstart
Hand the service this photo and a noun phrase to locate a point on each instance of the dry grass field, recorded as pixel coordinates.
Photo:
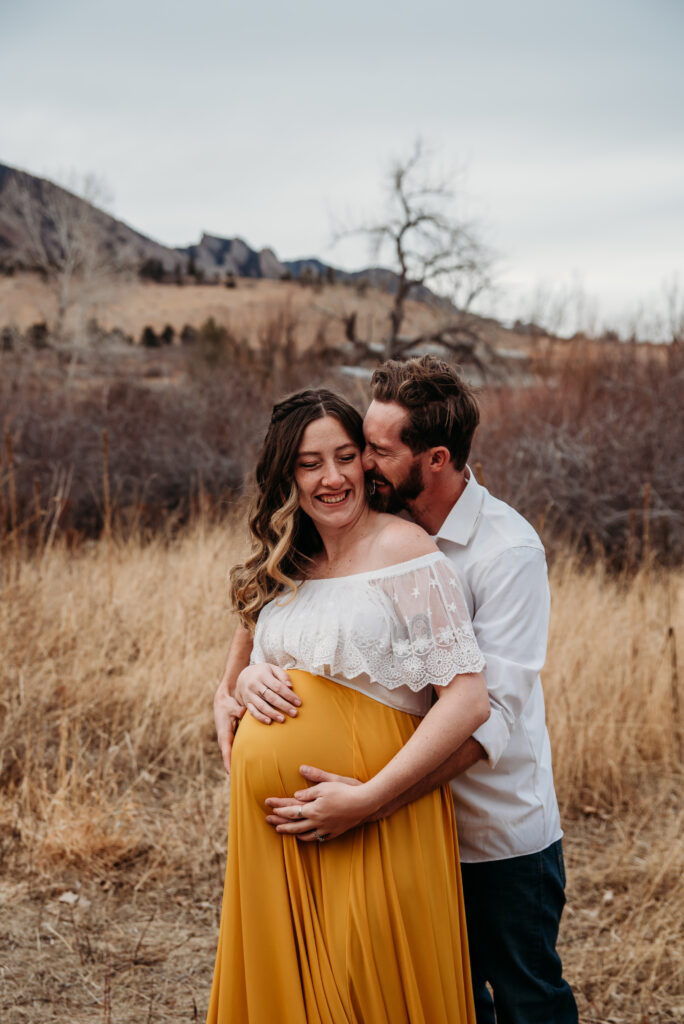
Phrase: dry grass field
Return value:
(249, 311)
(113, 801)
(246, 310)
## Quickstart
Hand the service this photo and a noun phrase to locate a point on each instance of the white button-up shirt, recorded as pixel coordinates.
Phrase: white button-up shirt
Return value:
(506, 805)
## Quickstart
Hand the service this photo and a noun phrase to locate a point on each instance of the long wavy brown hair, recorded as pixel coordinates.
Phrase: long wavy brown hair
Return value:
(284, 539)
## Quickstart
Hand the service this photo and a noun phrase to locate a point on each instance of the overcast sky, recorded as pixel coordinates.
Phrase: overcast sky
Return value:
(269, 120)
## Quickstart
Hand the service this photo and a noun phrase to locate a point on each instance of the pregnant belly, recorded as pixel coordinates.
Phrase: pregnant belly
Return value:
(337, 729)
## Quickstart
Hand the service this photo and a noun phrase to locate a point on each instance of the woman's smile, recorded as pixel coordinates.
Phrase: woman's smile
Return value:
(333, 499)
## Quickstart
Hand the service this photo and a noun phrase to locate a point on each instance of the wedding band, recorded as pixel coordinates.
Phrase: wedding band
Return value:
(300, 812)
(319, 837)
(263, 692)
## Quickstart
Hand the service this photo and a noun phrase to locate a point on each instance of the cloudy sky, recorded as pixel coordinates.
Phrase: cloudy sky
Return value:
(272, 120)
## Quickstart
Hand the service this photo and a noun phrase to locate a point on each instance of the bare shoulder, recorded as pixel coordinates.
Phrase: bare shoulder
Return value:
(398, 540)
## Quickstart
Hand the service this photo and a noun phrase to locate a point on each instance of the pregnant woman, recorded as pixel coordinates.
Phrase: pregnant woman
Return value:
(365, 614)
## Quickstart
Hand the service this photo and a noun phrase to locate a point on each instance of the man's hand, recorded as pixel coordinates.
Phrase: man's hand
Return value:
(227, 715)
(227, 710)
(266, 691)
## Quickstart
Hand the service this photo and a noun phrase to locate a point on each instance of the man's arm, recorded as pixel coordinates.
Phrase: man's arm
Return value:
(511, 622)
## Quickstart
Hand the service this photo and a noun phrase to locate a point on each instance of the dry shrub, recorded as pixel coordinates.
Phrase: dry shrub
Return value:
(166, 446)
(593, 452)
(110, 661)
(183, 427)
(614, 708)
(611, 683)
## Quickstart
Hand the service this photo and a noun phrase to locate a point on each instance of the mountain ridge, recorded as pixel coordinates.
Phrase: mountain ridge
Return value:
(25, 197)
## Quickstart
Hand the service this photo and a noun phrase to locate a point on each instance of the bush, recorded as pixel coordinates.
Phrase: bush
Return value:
(592, 451)
(595, 453)
(172, 435)
(165, 445)
(149, 338)
(37, 335)
(9, 336)
(211, 343)
(152, 270)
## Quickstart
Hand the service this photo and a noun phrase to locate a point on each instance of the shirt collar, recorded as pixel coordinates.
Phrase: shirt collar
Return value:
(459, 525)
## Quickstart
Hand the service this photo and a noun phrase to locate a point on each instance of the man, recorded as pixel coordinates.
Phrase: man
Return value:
(418, 430)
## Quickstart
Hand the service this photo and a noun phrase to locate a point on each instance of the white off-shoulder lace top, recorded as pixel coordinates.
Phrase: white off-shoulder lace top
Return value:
(391, 633)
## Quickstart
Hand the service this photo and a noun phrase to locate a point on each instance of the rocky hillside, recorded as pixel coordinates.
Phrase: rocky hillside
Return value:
(43, 224)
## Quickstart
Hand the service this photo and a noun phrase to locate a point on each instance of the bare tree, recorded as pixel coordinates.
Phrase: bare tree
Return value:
(61, 236)
(564, 309)
(427, 245)
(674, 304)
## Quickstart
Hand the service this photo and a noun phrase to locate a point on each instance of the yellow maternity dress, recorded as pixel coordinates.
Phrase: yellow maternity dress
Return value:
(368, 928)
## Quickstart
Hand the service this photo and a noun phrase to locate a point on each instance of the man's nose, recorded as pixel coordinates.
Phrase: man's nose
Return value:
(367, 460)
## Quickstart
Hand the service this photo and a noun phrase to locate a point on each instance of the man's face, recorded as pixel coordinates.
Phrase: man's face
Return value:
(390, 463)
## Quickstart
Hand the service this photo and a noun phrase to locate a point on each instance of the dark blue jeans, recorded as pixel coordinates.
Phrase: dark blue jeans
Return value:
(514, 909)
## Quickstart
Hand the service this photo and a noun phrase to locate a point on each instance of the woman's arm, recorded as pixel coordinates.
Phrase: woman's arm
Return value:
(460, 760)
(331, 808)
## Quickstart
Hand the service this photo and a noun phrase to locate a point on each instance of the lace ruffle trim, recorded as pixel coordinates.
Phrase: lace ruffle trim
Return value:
(425, 661)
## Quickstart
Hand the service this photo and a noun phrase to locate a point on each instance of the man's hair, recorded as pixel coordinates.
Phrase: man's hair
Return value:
(442, 408)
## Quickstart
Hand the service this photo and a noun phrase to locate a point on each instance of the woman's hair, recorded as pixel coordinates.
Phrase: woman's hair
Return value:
(442, 408)
(283, 536)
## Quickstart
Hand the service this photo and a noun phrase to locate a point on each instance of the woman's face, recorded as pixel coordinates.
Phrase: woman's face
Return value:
(329, 474)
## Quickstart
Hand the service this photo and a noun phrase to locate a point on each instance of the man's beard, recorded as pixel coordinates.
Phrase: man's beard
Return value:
(397, 498)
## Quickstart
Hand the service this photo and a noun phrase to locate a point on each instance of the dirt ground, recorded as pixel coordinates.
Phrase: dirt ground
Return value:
(108, 949)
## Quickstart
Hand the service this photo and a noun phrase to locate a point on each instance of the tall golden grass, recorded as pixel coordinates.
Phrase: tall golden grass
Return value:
(109, 775)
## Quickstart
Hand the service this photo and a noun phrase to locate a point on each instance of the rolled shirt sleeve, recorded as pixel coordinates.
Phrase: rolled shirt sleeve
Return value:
(510, 621)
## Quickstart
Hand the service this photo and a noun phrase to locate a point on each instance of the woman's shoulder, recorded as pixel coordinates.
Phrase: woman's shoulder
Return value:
(399, 540)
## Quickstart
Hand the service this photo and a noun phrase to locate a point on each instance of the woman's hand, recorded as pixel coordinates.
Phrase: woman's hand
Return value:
(321, 812)
(266, 691)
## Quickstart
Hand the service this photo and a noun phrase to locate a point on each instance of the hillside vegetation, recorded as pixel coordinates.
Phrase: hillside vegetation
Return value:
(589, 446)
